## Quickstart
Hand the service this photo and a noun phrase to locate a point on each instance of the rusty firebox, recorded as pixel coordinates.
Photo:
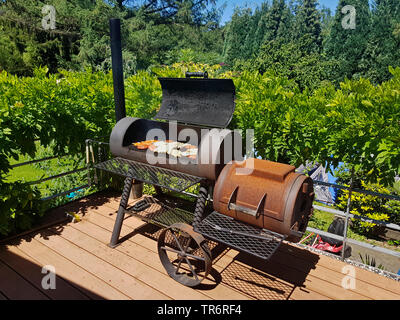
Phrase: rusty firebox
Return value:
(267, 195)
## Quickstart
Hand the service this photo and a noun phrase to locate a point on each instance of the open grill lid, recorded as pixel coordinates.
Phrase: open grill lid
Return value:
(201, 102)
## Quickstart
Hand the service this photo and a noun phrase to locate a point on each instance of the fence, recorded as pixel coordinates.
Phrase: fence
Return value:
(90, 156)
(347, 215)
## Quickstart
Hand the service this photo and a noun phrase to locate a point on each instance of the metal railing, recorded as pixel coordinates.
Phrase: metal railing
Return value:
(347, 215)
(90, 158)
(64, 174)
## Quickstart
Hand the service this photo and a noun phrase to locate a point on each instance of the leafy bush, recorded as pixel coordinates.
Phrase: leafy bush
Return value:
(19, 207)
(357, 124)
(361, 124)
(59, 110)
(369, 206)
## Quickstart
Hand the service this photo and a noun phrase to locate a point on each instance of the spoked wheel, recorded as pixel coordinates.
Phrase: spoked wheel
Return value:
(184, 254)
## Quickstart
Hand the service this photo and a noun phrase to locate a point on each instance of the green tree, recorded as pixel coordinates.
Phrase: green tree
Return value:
(236, 34)
(256, 32)
(291, 60)
(348, 45)
(150, 30)
(383, 46)
(307, 25)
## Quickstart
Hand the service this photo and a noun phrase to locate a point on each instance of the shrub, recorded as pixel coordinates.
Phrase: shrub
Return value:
(358, 124)
(20, 206)
(369, 206)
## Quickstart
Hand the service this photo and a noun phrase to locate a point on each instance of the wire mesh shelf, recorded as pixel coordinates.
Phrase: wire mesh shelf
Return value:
(164, 178)
(261, 243)
(161, 215)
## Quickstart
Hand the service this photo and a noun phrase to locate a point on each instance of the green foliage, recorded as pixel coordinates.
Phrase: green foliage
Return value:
(357, 124)
(19, 207)
(307, 25)
(367, 206)
(238, 30)
(382, 49)
(268, 104)
(348, 45)
(367, 260)
(362, 121)
(143, 95)
(59, 110)
(151, 32)
(291, 60)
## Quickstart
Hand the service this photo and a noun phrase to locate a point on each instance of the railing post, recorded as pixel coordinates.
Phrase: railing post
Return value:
(346, 224)
(87, 142)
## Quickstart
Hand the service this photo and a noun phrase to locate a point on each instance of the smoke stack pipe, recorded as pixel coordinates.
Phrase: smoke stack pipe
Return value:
(117, 69)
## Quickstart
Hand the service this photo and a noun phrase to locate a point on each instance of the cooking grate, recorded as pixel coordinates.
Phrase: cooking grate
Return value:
(168, 179)
(258, 242)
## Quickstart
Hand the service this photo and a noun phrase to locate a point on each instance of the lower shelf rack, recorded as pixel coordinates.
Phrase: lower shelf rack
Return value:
(164, 178)
(161, 215)
(237, 235)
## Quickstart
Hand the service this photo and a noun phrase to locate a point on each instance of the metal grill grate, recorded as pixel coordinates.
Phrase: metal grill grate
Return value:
(171, 180)
(258, 242)
(161, 215)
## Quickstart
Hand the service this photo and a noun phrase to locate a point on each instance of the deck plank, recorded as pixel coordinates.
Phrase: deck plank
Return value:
(335, 277)
(289, 275)
(331, 277)
(92, 286)
(120, 280)
(145, 250)
(133, 267)
(16, 287)
(87, 268)
(32, 270)
(106, 219)
(361, 274)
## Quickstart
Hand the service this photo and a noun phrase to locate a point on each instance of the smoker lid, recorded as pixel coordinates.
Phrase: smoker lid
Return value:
(204, 102)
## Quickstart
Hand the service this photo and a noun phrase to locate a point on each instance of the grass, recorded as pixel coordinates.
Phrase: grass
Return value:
(30, 173)
(396, 186)
(48, 168)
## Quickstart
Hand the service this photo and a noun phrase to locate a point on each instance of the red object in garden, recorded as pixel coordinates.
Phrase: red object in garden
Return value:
(325, 246)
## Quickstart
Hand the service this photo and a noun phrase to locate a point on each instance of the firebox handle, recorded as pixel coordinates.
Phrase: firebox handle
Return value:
(197, 75)
(255, 213)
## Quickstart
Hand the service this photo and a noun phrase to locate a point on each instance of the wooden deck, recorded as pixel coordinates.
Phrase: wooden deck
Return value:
(87, 268)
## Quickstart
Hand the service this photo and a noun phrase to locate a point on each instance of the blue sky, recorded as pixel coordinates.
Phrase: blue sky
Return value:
(231, 4)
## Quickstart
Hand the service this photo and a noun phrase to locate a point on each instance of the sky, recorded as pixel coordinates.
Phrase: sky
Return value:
(231, 4)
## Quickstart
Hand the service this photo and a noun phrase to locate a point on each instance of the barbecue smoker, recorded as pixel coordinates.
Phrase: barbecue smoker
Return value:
(256, 203)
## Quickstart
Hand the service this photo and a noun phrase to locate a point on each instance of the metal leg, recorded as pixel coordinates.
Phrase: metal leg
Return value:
(121, 212)
(200, 205)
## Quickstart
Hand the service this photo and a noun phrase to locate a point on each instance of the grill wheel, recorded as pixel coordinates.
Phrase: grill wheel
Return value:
(184, 254)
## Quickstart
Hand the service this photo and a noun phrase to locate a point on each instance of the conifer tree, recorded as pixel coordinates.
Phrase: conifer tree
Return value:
(347, 43)
(307, 26)
(237, 33)
(383, 48)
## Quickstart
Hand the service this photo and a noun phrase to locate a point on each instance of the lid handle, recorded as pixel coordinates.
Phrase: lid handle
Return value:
(255, 213)
(197, 75)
